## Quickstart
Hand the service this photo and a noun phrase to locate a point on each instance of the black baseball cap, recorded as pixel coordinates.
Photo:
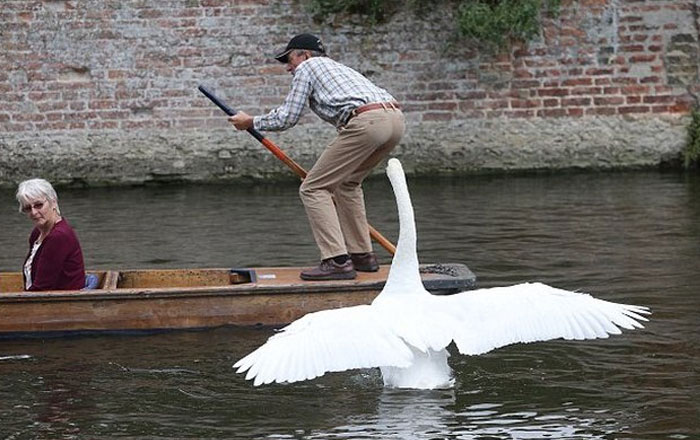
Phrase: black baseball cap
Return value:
(301, 41)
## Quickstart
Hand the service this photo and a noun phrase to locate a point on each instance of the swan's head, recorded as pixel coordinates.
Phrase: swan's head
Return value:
(394, 168)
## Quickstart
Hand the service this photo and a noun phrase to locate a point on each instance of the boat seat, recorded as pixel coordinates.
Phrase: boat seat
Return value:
(111, 279)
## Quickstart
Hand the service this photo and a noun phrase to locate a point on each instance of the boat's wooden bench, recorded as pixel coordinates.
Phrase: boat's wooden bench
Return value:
(111, 278)
(11, 282)
(179, 278)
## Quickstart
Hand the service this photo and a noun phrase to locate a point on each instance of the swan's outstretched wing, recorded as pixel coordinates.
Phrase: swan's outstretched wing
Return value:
(326, 341)
(495, 317)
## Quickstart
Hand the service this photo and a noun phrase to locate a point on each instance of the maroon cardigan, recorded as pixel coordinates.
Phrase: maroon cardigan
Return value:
(58, 263)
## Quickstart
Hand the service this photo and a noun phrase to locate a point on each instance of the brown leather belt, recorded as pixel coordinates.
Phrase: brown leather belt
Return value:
(391, 105)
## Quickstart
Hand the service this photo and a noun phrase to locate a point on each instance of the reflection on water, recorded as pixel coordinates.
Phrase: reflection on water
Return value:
(434, 414)
(631, 237)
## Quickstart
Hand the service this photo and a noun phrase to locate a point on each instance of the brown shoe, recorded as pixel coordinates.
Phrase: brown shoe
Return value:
(366, 262)
(330, 270)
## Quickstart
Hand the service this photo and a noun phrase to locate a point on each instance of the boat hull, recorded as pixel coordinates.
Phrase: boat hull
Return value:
(153, 300)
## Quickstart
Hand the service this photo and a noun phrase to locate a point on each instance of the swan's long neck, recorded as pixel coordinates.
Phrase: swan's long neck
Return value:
(404, 275)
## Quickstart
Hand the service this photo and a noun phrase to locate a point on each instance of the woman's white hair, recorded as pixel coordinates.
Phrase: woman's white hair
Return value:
(34, 189)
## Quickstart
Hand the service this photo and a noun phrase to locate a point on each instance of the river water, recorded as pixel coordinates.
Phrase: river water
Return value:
(626, 237)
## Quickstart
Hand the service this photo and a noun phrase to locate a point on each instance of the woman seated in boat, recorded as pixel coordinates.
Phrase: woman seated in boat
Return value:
(55, 259)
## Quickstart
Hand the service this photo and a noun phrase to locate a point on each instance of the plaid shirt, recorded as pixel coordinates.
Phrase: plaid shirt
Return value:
(332, 89)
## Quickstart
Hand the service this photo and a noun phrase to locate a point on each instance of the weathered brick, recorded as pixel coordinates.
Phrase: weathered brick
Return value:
(624, 110)
(599, 72)
(632, 48)
(553, 92)
(525, 103)
(437, 116)
(576, 102)
(552, 113)
(631, 19)
(600, 111)
(650, 80)
(51, 106)
(635, 89)
(661, 109)
(681, 107)
(577, 82)
(645, 58)
(525, 84)
(586, 91)
(608, 101)
(625, 80)
(442, 106)
(29, 117)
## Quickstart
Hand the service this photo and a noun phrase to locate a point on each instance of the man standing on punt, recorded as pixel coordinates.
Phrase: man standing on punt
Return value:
(369, 123)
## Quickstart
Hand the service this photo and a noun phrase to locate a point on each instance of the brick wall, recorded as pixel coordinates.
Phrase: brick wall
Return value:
(105, 91)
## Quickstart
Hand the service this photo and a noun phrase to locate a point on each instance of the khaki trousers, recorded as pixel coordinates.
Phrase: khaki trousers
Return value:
(341, 227)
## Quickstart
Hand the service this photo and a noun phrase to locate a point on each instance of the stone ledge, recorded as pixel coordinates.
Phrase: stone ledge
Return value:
(453, 147)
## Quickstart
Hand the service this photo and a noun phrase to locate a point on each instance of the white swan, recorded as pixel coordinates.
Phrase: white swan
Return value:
(405, 331)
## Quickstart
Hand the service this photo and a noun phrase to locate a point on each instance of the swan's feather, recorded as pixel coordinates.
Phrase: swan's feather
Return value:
(530, 312)
(326, 341)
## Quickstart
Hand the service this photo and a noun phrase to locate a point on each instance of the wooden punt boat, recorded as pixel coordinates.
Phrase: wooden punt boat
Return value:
(148, 300)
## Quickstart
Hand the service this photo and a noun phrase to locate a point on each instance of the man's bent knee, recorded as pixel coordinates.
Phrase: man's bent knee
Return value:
(308, 193)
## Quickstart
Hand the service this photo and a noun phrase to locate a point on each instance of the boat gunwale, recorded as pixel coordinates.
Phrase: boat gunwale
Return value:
(241, 289)
(164, 292)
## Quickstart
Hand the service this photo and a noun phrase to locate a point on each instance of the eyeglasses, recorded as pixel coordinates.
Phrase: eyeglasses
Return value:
(37, 205)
